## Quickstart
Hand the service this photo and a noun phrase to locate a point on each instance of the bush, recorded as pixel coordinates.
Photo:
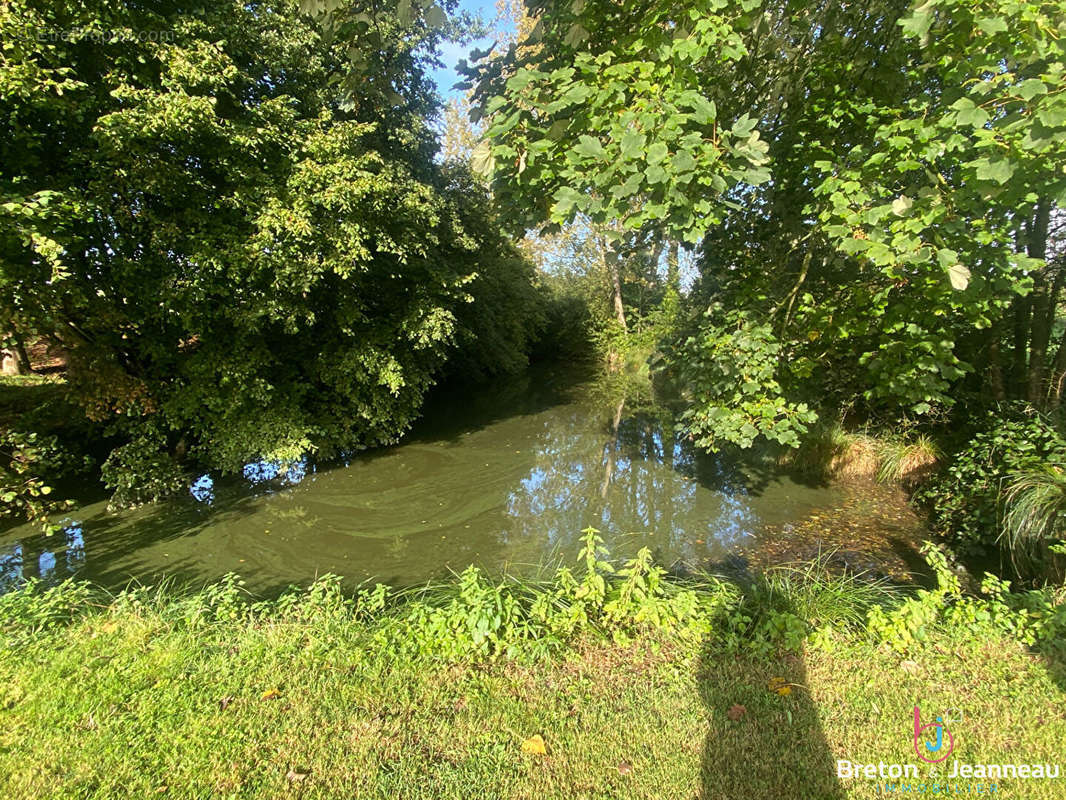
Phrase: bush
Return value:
(1036, 618)
(966, 500)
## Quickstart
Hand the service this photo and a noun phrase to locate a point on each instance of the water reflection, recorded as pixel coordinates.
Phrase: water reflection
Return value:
(64, 557)
(505, 475)
(280, 472)
(203, 489)
(639, 479)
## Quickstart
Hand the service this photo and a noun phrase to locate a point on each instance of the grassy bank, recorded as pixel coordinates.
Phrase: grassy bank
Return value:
(678, 690)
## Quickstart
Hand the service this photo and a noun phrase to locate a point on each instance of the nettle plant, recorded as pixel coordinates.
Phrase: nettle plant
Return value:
(1034, 618)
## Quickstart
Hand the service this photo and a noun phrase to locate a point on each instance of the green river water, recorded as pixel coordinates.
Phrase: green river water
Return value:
(504, 475)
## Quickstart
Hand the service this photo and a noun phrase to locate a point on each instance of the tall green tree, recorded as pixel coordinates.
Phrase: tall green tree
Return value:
(231, 217)
(872, 187)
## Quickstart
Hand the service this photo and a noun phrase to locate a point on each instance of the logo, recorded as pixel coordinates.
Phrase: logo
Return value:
(926, 750)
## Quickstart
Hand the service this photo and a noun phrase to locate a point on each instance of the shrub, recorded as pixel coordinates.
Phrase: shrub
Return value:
(966, 500)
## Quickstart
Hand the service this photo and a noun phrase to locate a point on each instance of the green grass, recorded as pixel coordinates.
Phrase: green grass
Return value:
(157, 695)
(1035, 503)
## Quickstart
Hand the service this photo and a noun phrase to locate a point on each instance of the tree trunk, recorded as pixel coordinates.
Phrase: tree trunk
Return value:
(1058, 374)
(995, 367)
(13, 360)
(610, 260)
(1022, 307)
(20, 351)
(1042, 305)
(673, 267)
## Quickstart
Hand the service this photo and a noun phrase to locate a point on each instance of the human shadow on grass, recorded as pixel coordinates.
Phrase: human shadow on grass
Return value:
(764, 737)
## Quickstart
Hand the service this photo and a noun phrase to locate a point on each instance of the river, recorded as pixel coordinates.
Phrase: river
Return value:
(504, 475)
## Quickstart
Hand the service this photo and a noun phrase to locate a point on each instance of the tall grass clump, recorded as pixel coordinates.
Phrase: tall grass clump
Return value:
(907, 460)
(830, 451)
(821, 595)
(1034, 508)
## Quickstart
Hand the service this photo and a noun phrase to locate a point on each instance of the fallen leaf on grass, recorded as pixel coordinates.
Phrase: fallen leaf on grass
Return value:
(625, 768)
(736, 712)
(780, 686)
(297, 774)
(910, 667)
(270, 694)
(223, 704)
(535, 745)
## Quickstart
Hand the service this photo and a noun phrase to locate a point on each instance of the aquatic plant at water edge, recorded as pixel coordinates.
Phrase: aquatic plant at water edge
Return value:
(1035, 507)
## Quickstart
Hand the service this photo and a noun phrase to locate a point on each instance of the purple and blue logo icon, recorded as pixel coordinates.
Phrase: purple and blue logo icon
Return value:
(932, 752)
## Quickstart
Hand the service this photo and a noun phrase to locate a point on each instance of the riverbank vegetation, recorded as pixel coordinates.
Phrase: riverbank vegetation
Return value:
(605, 680)
(829, 235)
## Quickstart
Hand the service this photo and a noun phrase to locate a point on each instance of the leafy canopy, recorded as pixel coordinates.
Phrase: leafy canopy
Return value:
(232, 218)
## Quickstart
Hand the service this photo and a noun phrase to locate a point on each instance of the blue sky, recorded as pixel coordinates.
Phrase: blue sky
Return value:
(446, 77)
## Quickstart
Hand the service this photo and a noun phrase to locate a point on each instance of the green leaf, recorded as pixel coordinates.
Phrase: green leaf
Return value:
(743, 126)
(520, 80)
(632, 144)
(655, 174)
(435, 17)
(576, 35)
(992, 25)
(566, 198)
(1031, 88)
(999, 170)
(918, 23)
(1053, 116)
(756, 176)
(969, 112)
(947, 257)
(683, 161)
(591, 147)
(705, 110)
(656, 153)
